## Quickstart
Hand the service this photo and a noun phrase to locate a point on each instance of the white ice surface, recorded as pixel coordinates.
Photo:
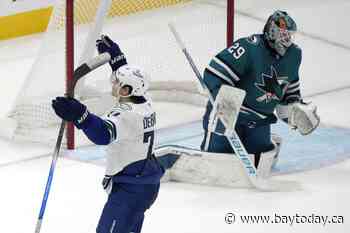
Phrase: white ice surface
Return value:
(76, 201)
(76, 198)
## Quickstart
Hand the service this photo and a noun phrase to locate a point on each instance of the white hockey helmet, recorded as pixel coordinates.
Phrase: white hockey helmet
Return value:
(131, 76)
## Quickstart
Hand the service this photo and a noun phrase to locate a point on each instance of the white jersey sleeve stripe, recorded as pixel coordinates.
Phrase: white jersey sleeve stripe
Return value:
(228, 69)
(219, 74)
(246, 109)
(111, 129)
(292, 90)
(292, 85)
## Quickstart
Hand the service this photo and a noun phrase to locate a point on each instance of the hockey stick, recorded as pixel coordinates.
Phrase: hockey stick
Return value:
(232, 137)
(80, 72)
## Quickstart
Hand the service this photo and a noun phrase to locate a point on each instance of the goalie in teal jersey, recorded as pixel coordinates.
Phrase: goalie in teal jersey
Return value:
(266, 66)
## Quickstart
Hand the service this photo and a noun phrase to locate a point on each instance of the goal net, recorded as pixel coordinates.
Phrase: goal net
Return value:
(141, 30)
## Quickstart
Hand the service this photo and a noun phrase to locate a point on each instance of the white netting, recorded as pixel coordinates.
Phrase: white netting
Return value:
(147, 42)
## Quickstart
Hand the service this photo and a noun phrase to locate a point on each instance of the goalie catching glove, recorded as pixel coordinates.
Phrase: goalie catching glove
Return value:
(301, 116)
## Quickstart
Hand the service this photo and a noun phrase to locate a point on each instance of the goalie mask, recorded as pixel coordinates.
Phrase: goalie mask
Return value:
(279, 30)
(132, 77)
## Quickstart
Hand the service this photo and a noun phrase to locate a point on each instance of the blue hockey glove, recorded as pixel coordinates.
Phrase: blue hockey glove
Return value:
(70, 109)
(105, 44)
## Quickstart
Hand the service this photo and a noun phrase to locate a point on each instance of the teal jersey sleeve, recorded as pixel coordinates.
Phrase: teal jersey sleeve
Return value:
(232, 63)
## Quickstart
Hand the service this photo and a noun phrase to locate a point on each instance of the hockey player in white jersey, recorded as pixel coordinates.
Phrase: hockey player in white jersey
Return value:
(132, 172)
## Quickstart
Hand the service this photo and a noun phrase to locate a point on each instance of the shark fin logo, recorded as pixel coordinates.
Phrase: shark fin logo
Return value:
(271, 86)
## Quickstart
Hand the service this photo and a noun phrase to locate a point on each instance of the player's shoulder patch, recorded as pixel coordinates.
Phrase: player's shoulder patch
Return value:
(125, 106)
(253, 39)
(115, 111)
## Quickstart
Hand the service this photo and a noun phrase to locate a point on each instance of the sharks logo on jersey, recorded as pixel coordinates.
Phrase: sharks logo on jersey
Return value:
(272, 86)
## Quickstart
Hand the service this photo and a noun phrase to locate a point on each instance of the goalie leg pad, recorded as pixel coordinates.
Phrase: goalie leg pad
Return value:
(216, 169)
(213, 169)
(205, 168)
(277, 141)
(267, 160)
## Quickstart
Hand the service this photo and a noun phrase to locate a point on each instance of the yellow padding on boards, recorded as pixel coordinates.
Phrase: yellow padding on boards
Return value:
(24, 23)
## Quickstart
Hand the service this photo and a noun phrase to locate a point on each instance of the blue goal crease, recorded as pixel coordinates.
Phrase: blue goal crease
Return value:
(325, 146)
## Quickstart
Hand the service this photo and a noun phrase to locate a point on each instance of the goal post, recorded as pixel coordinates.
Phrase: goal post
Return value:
(140, 28)
(69, 63)
(230, 22)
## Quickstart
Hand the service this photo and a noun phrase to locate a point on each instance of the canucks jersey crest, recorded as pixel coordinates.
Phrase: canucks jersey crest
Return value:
(272, 86)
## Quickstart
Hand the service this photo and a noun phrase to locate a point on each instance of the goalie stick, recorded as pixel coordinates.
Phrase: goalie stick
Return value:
(80, 72)
(232, 137)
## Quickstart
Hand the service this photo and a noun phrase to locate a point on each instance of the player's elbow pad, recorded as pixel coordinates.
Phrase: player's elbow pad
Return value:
(96, 130)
